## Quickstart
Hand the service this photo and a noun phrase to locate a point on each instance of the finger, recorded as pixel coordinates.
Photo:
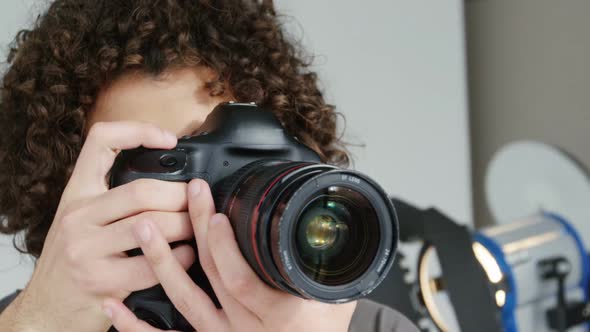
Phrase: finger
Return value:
(118, 237)
(123, 319)
(190, 300)
(201, 209)
(130, 199)
(236, 274)
(104, 141)
(135, 273)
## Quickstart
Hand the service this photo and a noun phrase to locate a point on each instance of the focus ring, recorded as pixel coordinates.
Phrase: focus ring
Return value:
(239, 197)
(224, 189)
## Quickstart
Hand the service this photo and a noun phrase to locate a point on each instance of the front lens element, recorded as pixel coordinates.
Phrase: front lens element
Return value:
(337, 236)
(322, 231)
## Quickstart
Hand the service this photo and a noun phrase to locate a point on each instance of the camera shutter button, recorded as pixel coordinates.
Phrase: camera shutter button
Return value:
(168, 161)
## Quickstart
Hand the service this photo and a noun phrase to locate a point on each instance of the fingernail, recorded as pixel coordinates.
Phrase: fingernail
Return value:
(217, 219)
(194, 188)
(144, 232)
(107, 311)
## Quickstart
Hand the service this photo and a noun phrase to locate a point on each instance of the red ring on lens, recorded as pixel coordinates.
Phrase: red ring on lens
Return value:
(254, 220)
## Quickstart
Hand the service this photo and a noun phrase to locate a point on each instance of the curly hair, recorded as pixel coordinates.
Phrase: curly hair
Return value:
(57, 68)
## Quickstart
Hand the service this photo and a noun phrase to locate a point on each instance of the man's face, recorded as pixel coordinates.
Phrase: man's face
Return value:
(176, 101)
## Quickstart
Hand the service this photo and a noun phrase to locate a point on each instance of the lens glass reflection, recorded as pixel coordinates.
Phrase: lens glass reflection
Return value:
(337, 236)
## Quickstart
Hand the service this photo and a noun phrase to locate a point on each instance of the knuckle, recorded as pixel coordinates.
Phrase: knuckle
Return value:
(68, 221)
(145, 274)
(241, 286)
(143, 191)
(71, 217)
(73, 254)
(98, 129)
(184, 305)
(69, 232)
(208, 266)
(157, 258)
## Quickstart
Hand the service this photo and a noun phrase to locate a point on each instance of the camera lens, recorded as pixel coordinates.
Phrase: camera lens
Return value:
(310, 229)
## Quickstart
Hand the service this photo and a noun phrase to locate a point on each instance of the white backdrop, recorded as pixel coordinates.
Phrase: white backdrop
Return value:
(395, 68)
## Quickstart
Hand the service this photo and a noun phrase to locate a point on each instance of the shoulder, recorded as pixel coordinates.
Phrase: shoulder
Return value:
(5, 302)
(370, 316)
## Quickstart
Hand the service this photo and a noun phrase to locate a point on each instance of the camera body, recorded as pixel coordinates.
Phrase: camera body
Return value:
(307, 228)
(234, 135)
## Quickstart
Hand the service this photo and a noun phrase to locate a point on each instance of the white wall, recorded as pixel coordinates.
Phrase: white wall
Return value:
(529, 74)
(396, 70)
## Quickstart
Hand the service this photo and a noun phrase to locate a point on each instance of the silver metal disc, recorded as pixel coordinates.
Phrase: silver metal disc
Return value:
(526, 177)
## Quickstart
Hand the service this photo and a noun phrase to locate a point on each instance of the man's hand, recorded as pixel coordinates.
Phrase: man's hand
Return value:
(83, 259)
(248, 303)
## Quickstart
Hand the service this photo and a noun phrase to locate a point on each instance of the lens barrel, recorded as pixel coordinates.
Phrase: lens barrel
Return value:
(310, 229)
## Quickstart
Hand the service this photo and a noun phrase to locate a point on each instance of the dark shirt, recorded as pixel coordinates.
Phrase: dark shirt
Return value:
(371, 316)
(368, 317)
(7, 300)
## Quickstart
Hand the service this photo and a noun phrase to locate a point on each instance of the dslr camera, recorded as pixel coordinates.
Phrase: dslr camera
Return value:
(307, 228)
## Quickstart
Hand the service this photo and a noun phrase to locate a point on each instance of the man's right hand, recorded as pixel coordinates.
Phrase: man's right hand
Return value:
(83, 259)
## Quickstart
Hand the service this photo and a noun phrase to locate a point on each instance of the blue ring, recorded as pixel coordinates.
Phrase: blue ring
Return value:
(511, 296)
